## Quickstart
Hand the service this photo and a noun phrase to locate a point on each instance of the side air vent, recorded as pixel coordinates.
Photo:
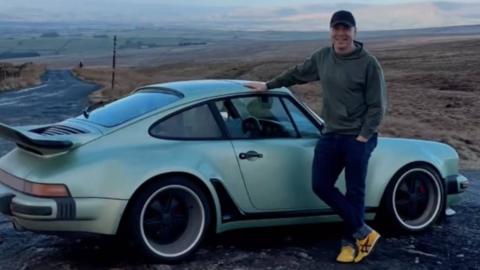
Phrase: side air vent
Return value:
(58, 130)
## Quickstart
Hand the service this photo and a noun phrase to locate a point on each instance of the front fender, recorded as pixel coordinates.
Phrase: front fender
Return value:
(391, 155)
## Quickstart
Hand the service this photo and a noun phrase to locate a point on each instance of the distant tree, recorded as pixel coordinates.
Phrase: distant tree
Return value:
(50, 35)
(6, 55)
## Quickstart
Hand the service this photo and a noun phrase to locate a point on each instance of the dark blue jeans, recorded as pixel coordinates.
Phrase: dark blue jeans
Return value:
(333, 153)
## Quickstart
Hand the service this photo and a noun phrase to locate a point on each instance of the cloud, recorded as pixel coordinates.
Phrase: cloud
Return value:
(369, 17)
(296, 17)
(286, 11)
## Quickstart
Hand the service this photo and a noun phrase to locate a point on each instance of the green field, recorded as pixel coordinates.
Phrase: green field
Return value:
(90, 44)
(101, 41)
(97, 39)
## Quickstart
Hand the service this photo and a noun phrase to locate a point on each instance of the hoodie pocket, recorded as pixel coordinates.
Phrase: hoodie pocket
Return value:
(342, 112)
(357, 110)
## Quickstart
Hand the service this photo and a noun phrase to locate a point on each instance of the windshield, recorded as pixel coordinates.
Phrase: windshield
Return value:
(131, 107)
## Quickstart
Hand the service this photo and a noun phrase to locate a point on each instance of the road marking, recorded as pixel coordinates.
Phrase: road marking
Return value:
(32, 88)
(13, 100)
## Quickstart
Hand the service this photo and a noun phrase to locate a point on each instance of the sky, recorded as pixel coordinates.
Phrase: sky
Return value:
(291, 15)
(289, 2)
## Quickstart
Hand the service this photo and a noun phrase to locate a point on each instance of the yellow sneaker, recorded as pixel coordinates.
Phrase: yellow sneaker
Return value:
(365, 245)
(347, 254)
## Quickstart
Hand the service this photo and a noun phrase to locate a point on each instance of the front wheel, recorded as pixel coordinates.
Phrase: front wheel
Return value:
(414, 199)
(168, 219)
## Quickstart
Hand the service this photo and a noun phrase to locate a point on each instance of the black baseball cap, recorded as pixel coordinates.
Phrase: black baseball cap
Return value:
(342, 17)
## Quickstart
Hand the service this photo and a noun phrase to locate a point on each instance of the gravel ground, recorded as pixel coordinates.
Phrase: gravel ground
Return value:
(452, 244)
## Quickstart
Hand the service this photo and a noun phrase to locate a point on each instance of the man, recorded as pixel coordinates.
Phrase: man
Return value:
(354, 103)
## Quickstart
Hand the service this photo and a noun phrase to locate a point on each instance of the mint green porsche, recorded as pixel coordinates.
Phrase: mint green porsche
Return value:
(172, 162)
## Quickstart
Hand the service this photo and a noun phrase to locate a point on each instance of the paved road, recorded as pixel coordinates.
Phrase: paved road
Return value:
(60, 96)
(453, 244)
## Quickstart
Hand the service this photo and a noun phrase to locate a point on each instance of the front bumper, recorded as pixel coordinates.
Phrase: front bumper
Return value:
(93, 215)
(456, 184)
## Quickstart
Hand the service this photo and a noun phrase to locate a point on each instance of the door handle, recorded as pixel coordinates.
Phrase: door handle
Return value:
(250, 154)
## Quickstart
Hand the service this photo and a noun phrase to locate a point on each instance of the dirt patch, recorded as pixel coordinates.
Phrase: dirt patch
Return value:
(20, 76)
(433, 85)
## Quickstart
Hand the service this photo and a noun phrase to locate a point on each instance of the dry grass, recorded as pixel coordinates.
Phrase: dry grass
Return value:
(433, 87)
(30, 76)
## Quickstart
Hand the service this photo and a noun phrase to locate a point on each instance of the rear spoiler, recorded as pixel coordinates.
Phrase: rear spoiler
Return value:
(33, 142)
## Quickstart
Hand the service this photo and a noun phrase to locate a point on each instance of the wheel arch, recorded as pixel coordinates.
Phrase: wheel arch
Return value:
(404, 168)
(204, 185)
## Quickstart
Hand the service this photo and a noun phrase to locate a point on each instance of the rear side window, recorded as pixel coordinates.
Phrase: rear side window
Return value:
(195, 123)
(130, 107)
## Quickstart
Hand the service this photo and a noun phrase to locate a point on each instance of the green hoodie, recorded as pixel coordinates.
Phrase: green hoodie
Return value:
(354, 92)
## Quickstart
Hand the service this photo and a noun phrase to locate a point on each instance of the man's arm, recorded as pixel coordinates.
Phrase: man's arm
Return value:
(376, 99)
(299, 74)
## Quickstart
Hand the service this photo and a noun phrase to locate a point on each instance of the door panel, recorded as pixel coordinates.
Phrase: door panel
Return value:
(274, 142)
(281, 178)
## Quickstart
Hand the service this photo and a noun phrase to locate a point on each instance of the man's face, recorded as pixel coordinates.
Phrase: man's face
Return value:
(342, 36)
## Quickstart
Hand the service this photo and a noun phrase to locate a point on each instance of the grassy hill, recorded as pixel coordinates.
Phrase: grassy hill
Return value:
(433, 85)
(94, 40)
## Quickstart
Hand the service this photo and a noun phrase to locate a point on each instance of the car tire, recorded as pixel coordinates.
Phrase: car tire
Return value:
(414, 199)
(168, 219)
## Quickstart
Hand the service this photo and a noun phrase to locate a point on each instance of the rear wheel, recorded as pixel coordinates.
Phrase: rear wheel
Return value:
(414, 199)
(168, 219)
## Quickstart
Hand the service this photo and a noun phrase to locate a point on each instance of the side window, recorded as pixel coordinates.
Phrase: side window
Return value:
(194, 123)
(304, 125)
(256, 117)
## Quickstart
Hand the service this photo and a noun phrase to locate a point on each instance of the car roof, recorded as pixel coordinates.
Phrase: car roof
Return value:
(199, 89)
